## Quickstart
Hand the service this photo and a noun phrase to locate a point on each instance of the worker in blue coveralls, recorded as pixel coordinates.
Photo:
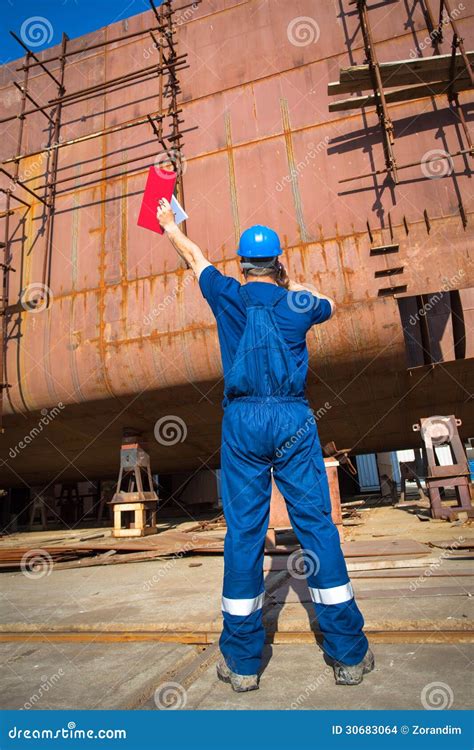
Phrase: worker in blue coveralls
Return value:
(269, 428)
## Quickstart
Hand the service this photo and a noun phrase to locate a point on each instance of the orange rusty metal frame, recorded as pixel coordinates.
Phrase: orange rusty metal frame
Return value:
(436, 33)
(52, 166)
(381, 105)
(6, 264)
(170, 63)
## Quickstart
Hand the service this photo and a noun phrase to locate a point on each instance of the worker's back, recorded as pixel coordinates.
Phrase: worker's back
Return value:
(292, 313)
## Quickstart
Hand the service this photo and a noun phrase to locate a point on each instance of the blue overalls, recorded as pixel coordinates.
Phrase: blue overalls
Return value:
(268, 424)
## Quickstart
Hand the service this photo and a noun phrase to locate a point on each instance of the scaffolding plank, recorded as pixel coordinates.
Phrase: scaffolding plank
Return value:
(402, 95)
(400, 73)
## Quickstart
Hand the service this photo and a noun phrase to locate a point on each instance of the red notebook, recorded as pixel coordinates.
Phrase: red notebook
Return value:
(160, 184)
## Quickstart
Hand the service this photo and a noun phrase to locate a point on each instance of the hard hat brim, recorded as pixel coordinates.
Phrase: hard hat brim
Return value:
(258, 255)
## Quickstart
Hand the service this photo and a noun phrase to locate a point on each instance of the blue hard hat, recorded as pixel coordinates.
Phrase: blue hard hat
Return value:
(259, 242)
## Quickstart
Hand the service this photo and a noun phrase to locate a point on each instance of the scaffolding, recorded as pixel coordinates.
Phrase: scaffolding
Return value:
(165, 124)
(407, 80)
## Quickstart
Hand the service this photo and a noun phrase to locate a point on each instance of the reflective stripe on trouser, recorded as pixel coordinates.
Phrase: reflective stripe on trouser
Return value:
(256, 435)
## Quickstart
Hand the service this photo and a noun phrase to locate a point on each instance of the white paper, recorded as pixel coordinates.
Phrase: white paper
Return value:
(179, 212)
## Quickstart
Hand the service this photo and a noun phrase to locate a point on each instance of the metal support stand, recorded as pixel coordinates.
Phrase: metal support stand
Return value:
(135, 506)
(437, 431)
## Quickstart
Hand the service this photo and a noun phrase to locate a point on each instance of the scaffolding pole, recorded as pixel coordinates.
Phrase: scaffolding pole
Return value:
(166, 125)
(381, 105)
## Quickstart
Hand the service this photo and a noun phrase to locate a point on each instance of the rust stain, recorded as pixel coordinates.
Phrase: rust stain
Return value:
(186, 346)
(102, 285)
(292, 169)
(123, 228)
(232, 181)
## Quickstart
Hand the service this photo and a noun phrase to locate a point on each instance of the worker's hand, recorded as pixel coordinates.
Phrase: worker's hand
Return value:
(283, 279)
(165, 215)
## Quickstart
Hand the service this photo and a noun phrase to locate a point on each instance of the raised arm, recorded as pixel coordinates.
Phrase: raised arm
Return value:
(186, 248)
(293, 286)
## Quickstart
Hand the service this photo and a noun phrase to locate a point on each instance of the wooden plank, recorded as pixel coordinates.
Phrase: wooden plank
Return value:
(385, 636)
(400, 73)
(173, 542)
(385, 547)
(421, 592)
(296, 590)
(441, 572)
(422, 562)
(400, 95)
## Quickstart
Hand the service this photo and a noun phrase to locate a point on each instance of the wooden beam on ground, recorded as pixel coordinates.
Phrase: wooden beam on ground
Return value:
(400, 634)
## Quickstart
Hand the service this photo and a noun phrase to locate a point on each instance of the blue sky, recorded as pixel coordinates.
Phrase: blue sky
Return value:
(41, 22)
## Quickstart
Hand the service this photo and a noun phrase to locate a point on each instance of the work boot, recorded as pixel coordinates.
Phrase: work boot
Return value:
(241, 683)
(352, 674)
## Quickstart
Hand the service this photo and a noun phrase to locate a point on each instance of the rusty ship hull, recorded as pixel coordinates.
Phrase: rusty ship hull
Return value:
(127, 337)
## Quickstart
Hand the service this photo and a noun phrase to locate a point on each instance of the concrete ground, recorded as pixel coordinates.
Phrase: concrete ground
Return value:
(174, 595)
(82, 676)
(110, 636)
(296, 677)
(126, 675)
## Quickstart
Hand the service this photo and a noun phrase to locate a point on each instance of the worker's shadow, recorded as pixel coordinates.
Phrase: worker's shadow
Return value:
(292, 589)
